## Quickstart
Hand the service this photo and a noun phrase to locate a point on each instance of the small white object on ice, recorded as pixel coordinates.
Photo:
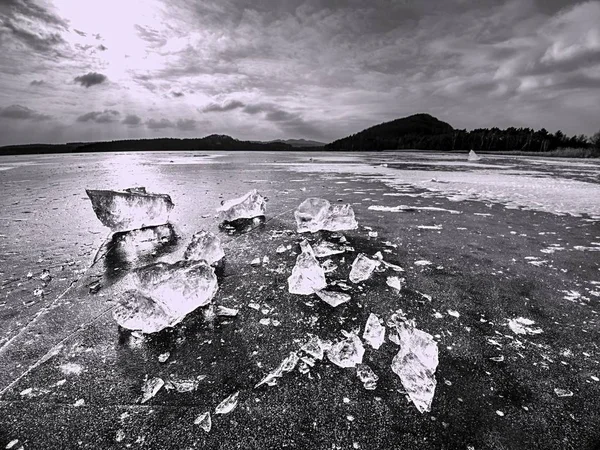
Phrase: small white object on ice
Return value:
(12, 443)
(373, 234)
(500, 413)
(255, 262)
(248, 206)
(325, 248)
(79, 402)
(205, 245)
(429, 227)
(314, 347)
(45, 276)
(473, 156)
(307, 275)
(394, 282)
(316, 214)
(226, 312)
(150, 388)
(163, 357)
(521, 325)
(227, 405)
(453, 313)
(374, 333)
(422, 262)
(367, 376)
(362, 268)
(265, 260)
(204, 421)
(347, 352)
(563, 392)
(333, 298)
(287, 365)
(280, 249)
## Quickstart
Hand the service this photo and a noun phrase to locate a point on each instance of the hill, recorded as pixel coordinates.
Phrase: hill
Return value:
(301, 143)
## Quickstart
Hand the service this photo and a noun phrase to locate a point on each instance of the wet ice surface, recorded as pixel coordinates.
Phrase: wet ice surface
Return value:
(463, 285)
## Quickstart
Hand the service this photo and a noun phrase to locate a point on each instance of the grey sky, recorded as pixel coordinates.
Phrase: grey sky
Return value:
(314, 69)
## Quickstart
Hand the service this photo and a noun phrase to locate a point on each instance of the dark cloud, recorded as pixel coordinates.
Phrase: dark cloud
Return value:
(97, 36)
(80, 33)
(106, 116)
(186, 124)
(151, 36)
(19, 112)
(39, 42)
(227, 106)
(102, 48)
(90, 79)
(132, 120)
(177, 94)
(37, 82)
(154, 124)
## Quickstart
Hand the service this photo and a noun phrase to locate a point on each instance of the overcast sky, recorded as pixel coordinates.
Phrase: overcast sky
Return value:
(74, 70)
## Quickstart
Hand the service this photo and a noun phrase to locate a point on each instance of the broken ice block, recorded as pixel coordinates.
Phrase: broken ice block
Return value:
(307, 275)
(131, 248)
(314, 348)
(347, 352)
(362, 268)
(287, 365)
(205, 245)
(150, 388)
(130, 209)
(521, 325)
(163, 294)
(226, 312)
(473, 156)
(204, 421)
(316, 214)
(181, 385)
(227, 405)
(394, 282)
(325, 248)
(333, 298)
(416, 363)
(367, 376)
(247, 206)
(374, 334)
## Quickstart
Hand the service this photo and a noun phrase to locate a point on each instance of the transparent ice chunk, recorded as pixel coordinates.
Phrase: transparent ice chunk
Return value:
(139, 312)
(205, 245)
(307, 275)
(325, 248)
(473, 156)
(227, 405)
(395, 283)
(367, 376)
(362, 268)
(316, 214)
(521, 325)
(333, 298)
(287, 365)
(204, 421)
(150, 388)
(130, 209)
(314, 347)
(374, 334)
(347, 352)
(247, 206)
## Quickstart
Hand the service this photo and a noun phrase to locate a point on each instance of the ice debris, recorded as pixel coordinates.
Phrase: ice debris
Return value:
(287, 365)
(130, 209)
(227, 405)
(367, 376)
(314, 347)
(325, 248)
(348, 352)
(182, 385)
(307, 275)
(521, 325)
(150, 388)
(374, 333)
(316, 214)
(333, 298)
(247, 206)
(362, 268)
(204, 421)
(473, 156)
(204, 246)
(163, 294)
(395, 283)
(226, 312)
(416, 362)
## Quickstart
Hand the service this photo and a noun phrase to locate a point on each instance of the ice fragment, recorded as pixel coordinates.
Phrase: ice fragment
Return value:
(367, 376)
(204, 246)
(307, 275)
(248, 206)
(362, 268)
(204, 421)
(333, 298)
(316, 214)
(347, 352)
(374, 333)
(150, 388)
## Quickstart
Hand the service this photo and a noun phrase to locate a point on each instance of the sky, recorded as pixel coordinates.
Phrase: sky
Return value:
(276, 69)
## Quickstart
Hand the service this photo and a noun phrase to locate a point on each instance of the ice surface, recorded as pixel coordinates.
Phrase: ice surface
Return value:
(521, 325)
(416, 363)
(333, 298)
(163, 294)
(247, 206)
(150, 388)
(307, 275)
(362, 268)
(374, 334)
(325, 248)
(473, 156)
(367, 376)
(316, 214)
(227, 405)
(347, 352)
(205, 245)
(204, 421)
(130, 209)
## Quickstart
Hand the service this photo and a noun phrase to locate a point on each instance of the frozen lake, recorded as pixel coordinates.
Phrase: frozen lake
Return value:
(481, 244)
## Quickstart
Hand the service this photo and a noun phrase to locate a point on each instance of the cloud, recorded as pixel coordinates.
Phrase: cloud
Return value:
(37, 82)
(102, 48)
(177, 94)
(228, 106)
(19, 112)
(90, 79)
(132, 120)
(106, 116)
(186, 124)
(80, 33)
(163, 123)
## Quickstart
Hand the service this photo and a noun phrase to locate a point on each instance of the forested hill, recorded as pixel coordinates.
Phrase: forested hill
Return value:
(425, 132)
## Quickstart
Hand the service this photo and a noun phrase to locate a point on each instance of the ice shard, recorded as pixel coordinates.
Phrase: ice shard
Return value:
(347, 352)
(416, 363)
(367, 376)
(374, 334)
(314, 348)
(333, 298)
(150, 388)
(362, 268)
(287, 365)
(204, 246)
(204, 421)
(135, 311)
(227, 405)
(316, 214)
(130, 209)
(132, 248)
(247, 206)
(473, 156)
(521, 325)
(394, 282)
(325, 248)
(307, 275)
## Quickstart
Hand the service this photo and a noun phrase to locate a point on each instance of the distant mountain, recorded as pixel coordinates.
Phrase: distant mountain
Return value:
(301, 143)
(394, 134)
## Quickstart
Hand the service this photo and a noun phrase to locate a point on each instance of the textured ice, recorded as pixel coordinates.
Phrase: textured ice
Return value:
(473, 156)
(325, 248)
(150, 388)
(247, 206)
(362, 268)
(521, 325)
(227, 405)
(130, 209)
(205, 245)
(394, 282)
(204, 421)
(347, 352)
(226, 312)
(162, 294)
(287, 365)
(374, 333)
(416, 363)
(307, 275)
(333, 298)
(367, 376)
(316, 214)
(314, 347)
